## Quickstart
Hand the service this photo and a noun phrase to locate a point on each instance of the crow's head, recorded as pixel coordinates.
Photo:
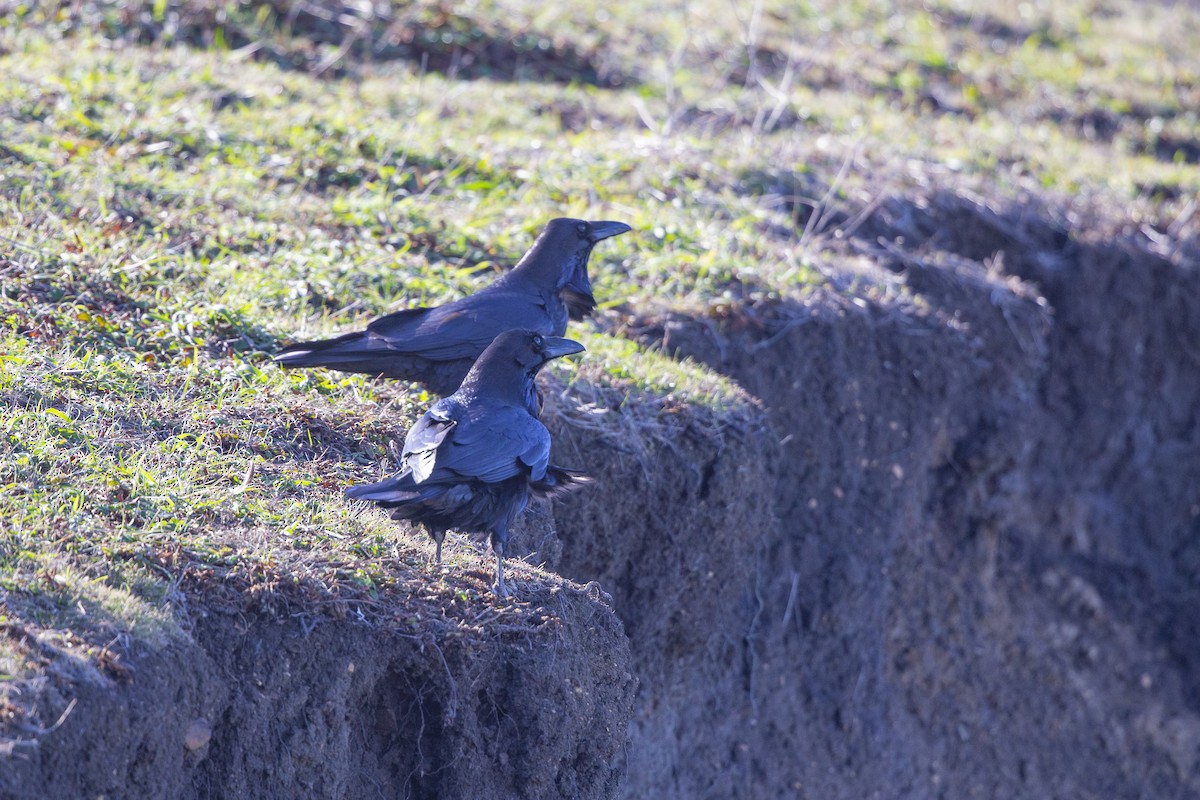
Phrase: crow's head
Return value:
(561, 253)
(507, 368)
(530, 351)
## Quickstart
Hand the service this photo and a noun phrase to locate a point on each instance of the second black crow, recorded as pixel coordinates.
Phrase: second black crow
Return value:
(437, 346)
(472, 461)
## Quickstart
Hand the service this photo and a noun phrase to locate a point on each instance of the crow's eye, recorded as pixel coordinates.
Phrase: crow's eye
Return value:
(582, 228)
(538, 341)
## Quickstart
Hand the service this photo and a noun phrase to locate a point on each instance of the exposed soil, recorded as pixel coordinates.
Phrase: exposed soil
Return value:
(983, 582)
(273, 700)
(676, 539)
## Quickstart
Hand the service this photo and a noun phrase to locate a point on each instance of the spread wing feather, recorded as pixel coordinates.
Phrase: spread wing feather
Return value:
(424, 440)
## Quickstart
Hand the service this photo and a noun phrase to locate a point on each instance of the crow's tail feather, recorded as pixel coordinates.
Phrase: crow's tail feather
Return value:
(341, 350)
(389, 492)
(559, 481)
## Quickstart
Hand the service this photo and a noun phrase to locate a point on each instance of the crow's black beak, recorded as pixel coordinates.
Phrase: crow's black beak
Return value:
(557, 347)
(606, 230)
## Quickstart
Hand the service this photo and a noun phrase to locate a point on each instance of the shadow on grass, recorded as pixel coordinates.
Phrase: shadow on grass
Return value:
(322, 38)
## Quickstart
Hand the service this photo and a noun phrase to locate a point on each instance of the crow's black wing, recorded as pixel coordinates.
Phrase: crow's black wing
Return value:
(497, 445)
(462, 329)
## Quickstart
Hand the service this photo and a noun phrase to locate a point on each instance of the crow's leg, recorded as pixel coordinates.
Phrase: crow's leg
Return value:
(499, 588)
(438, 537)
(499, 540)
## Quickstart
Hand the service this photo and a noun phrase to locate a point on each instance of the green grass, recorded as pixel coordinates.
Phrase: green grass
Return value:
(178, 199)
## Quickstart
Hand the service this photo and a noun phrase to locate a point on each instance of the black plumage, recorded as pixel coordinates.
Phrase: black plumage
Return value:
(438, 345)
(472, 461)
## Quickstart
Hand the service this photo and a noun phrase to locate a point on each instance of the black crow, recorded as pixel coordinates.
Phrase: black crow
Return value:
(437, 346)
(471, 462)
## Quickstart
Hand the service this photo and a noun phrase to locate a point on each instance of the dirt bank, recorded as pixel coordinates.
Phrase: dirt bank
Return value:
(272, 699)
(984, 578)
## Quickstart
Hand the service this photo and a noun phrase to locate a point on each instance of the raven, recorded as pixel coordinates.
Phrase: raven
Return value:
(437, 346)
(471, 462)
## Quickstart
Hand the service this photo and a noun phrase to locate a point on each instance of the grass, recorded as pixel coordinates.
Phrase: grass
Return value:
(179, 197)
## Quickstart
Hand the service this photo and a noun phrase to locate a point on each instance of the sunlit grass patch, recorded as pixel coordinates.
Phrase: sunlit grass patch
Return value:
(640, 375)
(172, 210)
